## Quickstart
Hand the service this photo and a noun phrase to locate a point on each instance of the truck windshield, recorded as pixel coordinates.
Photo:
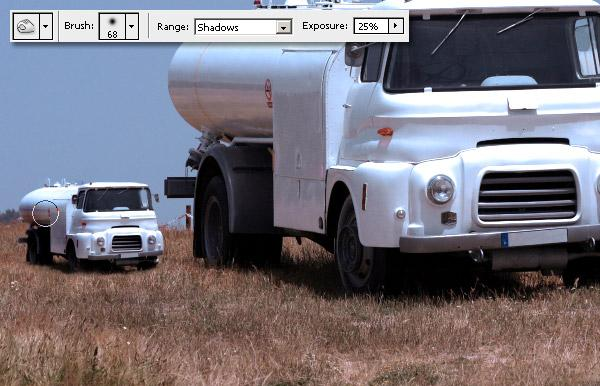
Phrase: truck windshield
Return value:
(537, 50)
(121, 199)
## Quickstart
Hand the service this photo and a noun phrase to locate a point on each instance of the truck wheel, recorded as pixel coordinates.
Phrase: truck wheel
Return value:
(150, 264)
(74, 262)
(583, 272)
(362, 269)
(45, 255)
(32, 255)
(218, 243)
(220, 247)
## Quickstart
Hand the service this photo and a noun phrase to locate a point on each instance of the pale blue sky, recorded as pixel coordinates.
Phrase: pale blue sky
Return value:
(91, 112)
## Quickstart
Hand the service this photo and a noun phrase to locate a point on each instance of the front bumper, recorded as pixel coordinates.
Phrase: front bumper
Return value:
(125, 256)
(487, 240)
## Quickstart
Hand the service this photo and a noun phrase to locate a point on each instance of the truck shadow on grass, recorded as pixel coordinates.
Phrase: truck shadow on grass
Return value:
(429, 276)
(101, 267)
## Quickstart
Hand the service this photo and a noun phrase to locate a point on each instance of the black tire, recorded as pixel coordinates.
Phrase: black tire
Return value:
(570, 278)
(217, 242)
(219, 246)
(32, 250)
(38, 247)
(362, 269)
(44, 253)
(74, 262)
(582, 272)
(150, 264)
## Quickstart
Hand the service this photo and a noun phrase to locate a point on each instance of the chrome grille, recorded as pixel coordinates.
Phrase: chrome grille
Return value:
(127, 243)
(527, 196)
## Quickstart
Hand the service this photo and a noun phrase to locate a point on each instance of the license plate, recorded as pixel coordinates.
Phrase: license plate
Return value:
(128, 255)
(546, 236)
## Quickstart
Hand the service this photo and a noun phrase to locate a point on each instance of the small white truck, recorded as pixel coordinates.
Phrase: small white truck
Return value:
(109, 221)
(478, 138)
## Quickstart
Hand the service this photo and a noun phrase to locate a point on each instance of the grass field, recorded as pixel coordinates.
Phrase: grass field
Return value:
(184, 324)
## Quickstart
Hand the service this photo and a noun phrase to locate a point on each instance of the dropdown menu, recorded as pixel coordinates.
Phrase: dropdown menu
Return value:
(118, 26)
(46, 23)
(32, 26)
(255, 26)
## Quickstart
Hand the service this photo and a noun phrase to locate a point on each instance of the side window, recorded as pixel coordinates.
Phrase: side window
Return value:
(587, 47)
(372, 63)
(145, 197)
(80, 199)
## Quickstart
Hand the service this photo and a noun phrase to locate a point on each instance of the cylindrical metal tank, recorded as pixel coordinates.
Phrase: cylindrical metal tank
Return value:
(43, 206)
(220, 88)
(227, 89)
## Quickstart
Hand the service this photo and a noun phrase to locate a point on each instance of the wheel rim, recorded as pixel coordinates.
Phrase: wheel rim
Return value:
(355, 261)
(213, 229)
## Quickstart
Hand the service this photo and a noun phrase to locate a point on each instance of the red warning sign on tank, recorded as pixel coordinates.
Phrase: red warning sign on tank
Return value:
(268, 93)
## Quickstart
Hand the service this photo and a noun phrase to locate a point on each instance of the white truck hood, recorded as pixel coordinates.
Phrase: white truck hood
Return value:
(430, 125)
(101, 221)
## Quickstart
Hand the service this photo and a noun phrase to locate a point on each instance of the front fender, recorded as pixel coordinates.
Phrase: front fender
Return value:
(386, 191)
(248, 175)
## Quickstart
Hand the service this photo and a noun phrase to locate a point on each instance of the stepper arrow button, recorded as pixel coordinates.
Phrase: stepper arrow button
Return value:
(396, 26)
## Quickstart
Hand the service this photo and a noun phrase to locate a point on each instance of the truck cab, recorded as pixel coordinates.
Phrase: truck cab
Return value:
(478, 136)
(115, 222)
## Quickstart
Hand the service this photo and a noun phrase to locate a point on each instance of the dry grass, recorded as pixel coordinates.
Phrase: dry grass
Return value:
(184, 324)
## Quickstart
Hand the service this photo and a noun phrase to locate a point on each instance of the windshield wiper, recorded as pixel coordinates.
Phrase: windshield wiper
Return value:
(449, 34)
(522, 21)
(105, 192)
(102, 196)
(361, 47)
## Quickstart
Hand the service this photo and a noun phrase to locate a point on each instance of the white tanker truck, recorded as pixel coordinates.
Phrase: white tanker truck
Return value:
(478, 138)
(97, 221)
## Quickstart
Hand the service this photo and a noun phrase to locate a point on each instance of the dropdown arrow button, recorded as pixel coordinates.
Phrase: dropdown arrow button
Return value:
(132, 26)
(284, 26)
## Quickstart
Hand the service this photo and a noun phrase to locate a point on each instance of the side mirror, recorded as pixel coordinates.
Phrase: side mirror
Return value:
(156, 197)
(74, 199)
(354, 54)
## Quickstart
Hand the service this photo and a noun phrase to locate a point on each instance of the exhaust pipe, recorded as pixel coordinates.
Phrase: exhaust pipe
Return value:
(590, 245)
(477, 255)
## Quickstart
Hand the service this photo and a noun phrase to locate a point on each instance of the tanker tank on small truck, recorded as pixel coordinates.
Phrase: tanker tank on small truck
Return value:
(477, 139)
(99, 221)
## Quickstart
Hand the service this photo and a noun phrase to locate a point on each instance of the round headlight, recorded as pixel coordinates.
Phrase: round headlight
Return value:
(151, 240)
(100, 241)
(440, 189)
